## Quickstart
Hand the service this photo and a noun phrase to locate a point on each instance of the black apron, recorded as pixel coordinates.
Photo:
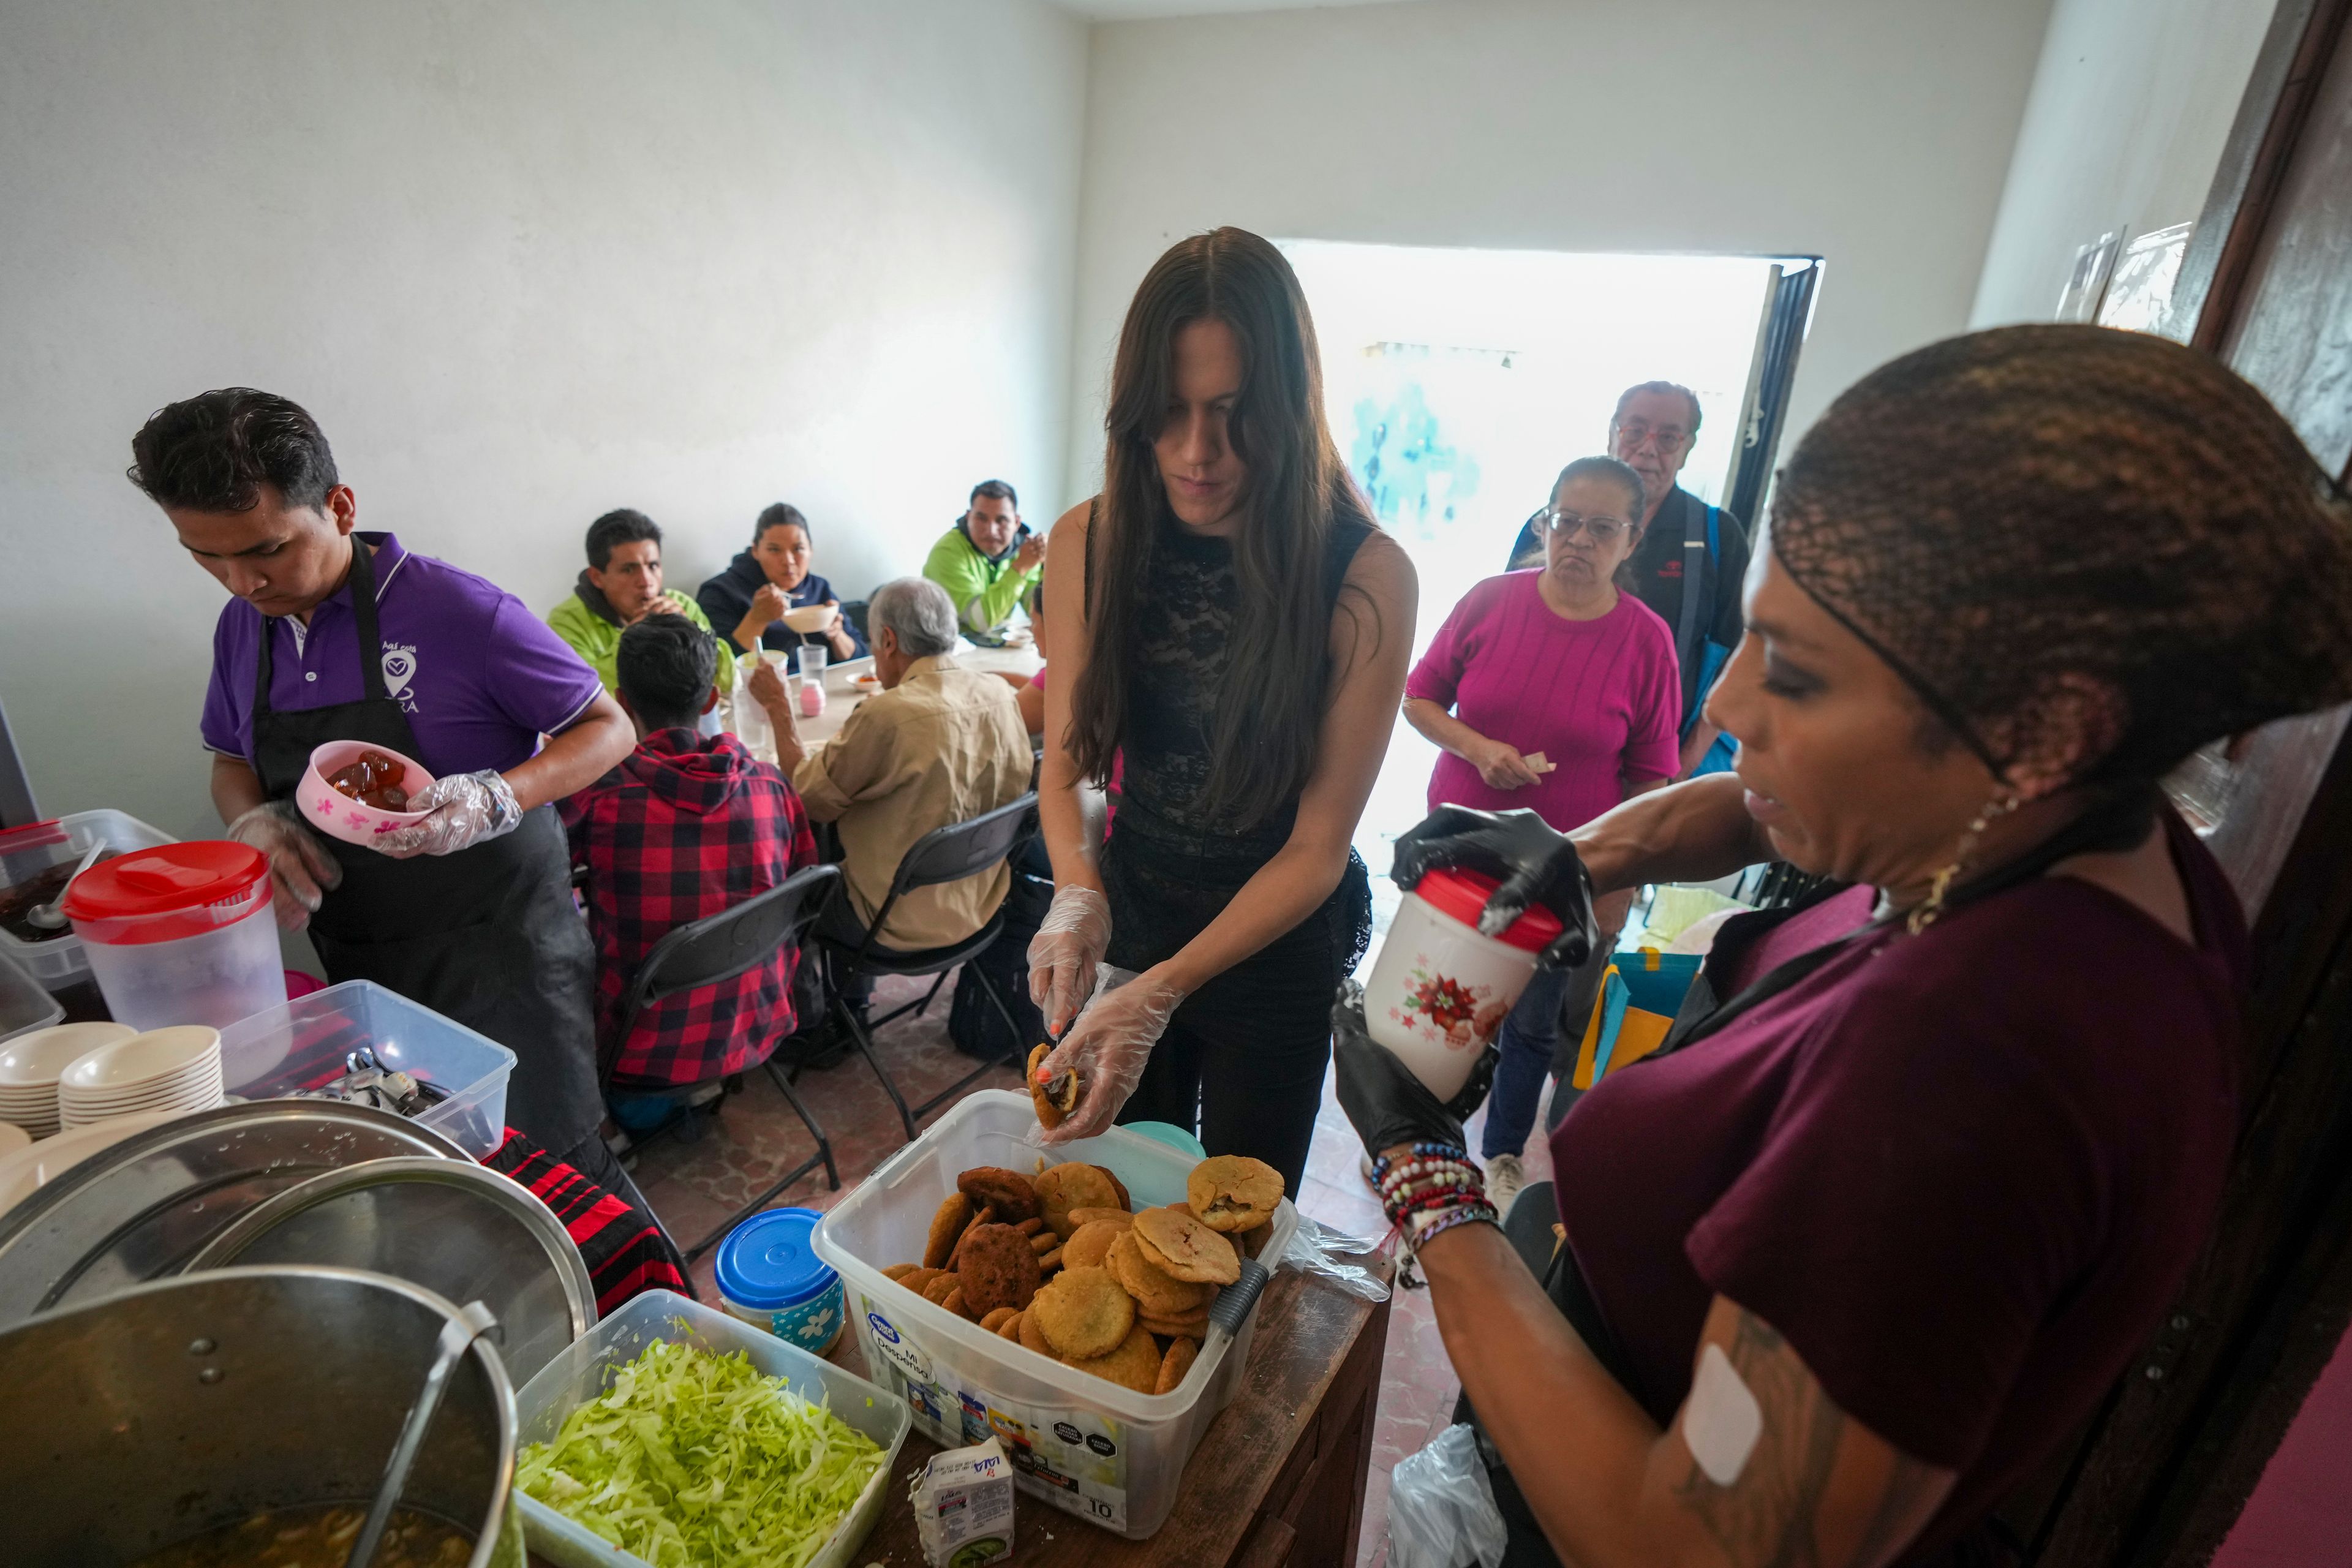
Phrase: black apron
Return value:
(488, 936)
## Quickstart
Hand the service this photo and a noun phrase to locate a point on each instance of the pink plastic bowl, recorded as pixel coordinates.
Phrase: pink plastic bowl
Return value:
(336, 813)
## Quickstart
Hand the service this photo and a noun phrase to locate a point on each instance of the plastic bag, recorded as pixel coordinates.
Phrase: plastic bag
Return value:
(1442, 1512)
(1319, 1250)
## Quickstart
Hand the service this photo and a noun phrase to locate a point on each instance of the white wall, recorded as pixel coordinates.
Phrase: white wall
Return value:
(2124, 130)
(1876, 133)
(525, 262)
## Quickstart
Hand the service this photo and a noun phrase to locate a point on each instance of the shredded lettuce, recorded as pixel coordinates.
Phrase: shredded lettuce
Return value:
(697, 1461)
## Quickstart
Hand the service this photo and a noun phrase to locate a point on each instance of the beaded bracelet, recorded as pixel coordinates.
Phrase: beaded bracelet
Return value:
(1466, 1214)
(1454, 1173)
(1381, 1161)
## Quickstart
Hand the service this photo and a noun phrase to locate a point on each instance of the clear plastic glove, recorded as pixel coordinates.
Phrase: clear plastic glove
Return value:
(1070, 943)
(1533, 863)
(302, 870)
(1388, 1106)
(466, 809)
(1107, 1048)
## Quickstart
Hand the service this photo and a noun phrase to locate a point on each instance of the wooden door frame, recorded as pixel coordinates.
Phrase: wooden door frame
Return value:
(2162, 1472)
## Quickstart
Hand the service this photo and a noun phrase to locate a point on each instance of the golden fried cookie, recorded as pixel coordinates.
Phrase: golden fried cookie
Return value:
(1232, 1192)
(1118, 1217)
(1194, 1327)
(1056, 1101)
(1009, 1193)
(1155, 1291)
(998, 1269)
(1031, 1335)
(1030, 1225)
(996, 1319)
(1083, 1313)
(956, 1303)
(1175, 1365)
(1089, 1244)
(1181, 1245)
(897, 1271)
(1133, 1364)
(917, 1280)
(942, 1286)
(947, 1227)
(1253, 1242)
(1009, 1329)
(1075, 1186)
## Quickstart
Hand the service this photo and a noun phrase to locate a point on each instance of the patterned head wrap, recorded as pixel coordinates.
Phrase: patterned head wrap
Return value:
(2004, 514)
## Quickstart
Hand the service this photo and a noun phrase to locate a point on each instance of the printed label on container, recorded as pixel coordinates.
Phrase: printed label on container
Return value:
(1075, 1460)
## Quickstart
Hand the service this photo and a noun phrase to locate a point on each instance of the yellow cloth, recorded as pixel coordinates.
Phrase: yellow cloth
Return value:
(945, 745)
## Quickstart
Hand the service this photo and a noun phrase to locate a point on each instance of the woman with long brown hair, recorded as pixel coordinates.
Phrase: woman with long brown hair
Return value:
(1229, 619)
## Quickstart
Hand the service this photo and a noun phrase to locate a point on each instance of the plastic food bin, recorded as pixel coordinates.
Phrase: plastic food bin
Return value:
(302, 1043)
(583, 1371)
(1109, 1455)
(59, 963)
(24, 1005)
(181, 933)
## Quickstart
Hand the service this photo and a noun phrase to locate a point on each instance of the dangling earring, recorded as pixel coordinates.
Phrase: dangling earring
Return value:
(2000, 805)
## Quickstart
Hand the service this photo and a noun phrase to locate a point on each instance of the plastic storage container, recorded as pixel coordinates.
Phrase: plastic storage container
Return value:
(771, 1277)
(302, 1043)
(58, 962)
(181, 933)
(1089, 1447)
(24, 1005)
(584, 1370)
(1439, 990)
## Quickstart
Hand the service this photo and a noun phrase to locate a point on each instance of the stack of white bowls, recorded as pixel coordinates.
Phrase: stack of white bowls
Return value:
(30, 1066)
(178, 1069)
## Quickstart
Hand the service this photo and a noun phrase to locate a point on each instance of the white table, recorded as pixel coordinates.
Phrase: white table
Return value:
(843, 694)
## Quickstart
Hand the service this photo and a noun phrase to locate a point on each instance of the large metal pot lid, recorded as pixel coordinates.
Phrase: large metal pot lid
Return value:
(460, 1231)
(139, 1210)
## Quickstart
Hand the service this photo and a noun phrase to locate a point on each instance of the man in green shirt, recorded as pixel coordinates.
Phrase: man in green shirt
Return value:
(989, 562)
(621, 586)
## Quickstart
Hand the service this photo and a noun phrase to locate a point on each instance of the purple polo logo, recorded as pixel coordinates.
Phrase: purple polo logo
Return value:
(399, 669)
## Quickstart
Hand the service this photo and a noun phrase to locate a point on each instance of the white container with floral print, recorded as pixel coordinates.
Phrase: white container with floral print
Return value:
(1439, 990)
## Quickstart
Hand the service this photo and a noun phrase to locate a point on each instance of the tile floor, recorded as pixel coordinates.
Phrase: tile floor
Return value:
(694, 1186)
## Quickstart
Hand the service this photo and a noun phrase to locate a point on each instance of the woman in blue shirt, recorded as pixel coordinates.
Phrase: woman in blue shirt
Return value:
(746, 602)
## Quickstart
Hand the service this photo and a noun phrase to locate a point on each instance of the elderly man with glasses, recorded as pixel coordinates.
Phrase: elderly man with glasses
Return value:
(1691, 558)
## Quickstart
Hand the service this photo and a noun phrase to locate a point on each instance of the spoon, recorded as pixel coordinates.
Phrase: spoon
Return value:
(51, 916)
(458, 1337)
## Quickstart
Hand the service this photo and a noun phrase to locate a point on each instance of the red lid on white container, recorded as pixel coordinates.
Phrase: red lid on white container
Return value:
(1461, 894)
(173, 890)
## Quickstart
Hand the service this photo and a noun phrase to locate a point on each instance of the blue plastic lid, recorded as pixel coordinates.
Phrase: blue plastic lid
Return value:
(767, 1262)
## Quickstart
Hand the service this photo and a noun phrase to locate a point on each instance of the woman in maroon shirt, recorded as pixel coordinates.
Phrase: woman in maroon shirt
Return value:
(1920, 1166)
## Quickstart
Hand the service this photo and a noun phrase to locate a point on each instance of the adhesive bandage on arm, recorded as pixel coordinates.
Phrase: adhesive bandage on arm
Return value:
(1721, 1420)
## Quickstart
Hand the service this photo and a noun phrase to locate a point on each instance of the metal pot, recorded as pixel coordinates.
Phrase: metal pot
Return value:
(172, 1408)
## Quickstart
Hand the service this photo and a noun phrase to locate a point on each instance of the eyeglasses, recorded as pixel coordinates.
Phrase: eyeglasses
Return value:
(1635, 434)
(1603, 532)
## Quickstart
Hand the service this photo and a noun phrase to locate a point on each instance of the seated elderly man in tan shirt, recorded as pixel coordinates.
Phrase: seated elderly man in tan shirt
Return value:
(938, 744)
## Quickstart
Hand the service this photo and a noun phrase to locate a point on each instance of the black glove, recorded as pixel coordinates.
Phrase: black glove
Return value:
(1533, 864)
(1386, 1104)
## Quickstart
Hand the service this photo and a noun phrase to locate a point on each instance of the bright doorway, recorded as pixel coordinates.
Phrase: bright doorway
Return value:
(1458, 382)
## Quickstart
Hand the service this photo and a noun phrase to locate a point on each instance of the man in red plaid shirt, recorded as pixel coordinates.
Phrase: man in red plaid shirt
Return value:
(687, 827)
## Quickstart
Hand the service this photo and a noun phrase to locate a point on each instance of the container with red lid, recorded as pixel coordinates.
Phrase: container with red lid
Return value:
(179, 934)
(1439, 990)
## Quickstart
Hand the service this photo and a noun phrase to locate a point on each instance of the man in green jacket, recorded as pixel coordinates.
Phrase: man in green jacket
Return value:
(989, 562)
(621, 586)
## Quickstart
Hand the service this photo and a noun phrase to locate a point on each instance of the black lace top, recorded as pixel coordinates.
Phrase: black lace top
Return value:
(1173, 860)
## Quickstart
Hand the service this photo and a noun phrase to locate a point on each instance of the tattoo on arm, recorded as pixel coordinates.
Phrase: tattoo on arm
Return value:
(1769, 1517)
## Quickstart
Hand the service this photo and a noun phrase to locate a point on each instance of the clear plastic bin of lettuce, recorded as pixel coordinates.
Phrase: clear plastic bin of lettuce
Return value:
(584, 1372)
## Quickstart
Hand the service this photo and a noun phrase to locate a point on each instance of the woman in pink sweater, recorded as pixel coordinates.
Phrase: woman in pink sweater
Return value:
(1551, 691)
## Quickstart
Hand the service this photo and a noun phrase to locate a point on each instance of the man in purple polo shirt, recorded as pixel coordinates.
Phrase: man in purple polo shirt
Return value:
(334, 634)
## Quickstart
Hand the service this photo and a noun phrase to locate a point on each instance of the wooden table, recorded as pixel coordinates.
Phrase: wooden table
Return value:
(842, 693)
(1278, 1478)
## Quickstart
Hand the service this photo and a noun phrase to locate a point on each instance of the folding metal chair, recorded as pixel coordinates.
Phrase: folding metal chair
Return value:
(710, 952)
(945, 854)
